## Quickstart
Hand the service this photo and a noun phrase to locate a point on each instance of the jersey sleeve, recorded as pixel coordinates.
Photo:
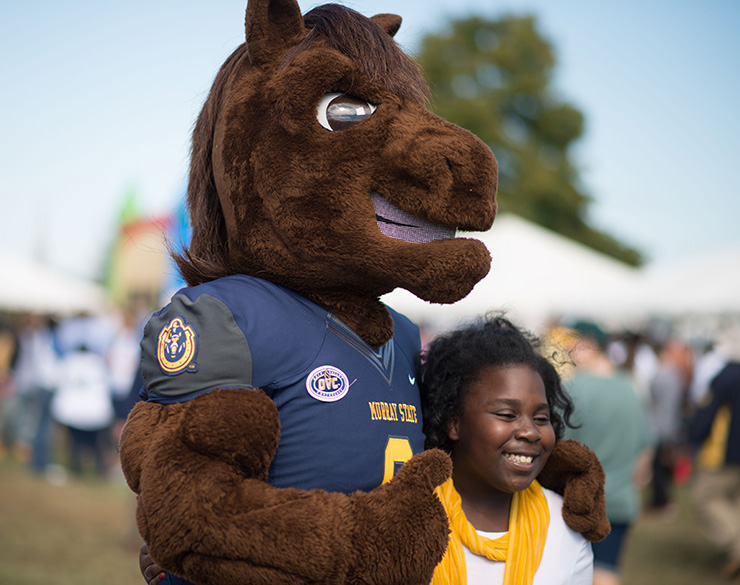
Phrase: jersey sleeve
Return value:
(192, 346)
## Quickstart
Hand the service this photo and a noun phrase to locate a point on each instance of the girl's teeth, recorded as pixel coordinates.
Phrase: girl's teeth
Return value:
(519, 458)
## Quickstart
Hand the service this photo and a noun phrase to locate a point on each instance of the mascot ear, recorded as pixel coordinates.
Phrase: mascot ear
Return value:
(272, 26)
(390, 23)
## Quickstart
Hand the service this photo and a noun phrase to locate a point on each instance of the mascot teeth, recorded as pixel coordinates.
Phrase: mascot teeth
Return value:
(400, 225)
(526, 459)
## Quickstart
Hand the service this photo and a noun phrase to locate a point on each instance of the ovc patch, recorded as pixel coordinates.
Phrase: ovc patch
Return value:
(177, 347)
(327, 384)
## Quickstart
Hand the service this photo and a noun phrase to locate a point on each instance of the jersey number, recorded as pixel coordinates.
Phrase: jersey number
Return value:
(397, 452)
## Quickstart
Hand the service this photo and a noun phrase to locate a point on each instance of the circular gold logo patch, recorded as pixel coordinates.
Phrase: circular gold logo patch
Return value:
(177, 346)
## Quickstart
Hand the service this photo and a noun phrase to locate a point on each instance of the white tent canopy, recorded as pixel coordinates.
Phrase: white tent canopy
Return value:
(30, 286)
(537, 275)
(703, 284)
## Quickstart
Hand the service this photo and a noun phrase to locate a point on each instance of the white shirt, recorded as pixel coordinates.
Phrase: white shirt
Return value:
(567, 558)
(83, 398)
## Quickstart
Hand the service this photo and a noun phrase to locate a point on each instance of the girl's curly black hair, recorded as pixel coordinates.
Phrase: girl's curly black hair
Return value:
(453, 361)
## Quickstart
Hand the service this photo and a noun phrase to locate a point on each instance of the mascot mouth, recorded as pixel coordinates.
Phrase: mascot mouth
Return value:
(400, 225)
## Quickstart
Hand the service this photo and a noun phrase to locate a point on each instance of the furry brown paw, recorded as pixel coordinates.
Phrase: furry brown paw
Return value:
(401, 528)
(239, 426)
(575, 472)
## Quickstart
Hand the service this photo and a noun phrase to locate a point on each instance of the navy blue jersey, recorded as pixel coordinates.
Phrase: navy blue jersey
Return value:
(350, 415)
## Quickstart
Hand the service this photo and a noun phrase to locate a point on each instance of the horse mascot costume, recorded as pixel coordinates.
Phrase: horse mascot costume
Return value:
(280, 439)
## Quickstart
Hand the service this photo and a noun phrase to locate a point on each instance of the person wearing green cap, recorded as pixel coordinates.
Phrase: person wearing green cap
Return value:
(613, 423)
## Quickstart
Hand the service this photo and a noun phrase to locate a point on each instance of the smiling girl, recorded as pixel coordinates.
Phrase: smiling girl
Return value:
(498, 408)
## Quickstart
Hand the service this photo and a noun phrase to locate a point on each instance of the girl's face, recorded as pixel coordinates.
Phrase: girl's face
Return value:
(504, 437)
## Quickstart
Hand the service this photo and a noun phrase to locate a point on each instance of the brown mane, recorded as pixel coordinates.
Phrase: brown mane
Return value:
(371, 48)
(376, 56)
(207, 256)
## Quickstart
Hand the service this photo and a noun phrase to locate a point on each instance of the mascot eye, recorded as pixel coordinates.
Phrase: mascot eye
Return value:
(339, 111)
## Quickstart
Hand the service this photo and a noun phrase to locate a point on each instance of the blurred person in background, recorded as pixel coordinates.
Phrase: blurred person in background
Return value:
(711, 358)
(123, 357)
(614, 424)
(634, 353)
(668, 394)
(35, 376)
(95, 331)
(714, 430)
(83, 404)
(8, 358)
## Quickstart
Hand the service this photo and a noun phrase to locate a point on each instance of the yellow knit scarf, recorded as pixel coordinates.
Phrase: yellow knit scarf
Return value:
(521, 547)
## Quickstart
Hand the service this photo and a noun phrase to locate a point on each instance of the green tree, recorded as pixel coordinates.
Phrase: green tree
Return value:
(493, 77)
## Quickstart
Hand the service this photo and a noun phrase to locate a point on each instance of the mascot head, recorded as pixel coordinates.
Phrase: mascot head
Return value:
(316, 165)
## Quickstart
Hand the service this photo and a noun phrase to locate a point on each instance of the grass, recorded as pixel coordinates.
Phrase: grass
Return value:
(82, 533)
(79, 533)
(672, 551)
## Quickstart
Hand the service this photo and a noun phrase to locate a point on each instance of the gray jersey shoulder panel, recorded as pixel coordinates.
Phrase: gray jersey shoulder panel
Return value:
(212, 354)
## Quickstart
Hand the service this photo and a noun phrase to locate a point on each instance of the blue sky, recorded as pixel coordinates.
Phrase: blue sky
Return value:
(100, 97)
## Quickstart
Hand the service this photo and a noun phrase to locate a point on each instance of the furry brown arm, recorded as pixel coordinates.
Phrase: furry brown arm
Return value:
(208, 515)
(575, 472)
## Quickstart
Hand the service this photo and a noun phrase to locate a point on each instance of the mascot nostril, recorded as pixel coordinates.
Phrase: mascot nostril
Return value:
(280, 337)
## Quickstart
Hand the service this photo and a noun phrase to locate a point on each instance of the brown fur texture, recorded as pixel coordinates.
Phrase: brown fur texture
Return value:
(251, 533)
(575, 472)
(273, 194)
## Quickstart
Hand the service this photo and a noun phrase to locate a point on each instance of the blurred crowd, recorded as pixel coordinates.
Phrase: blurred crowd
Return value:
(659, 410)
(66, 388)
